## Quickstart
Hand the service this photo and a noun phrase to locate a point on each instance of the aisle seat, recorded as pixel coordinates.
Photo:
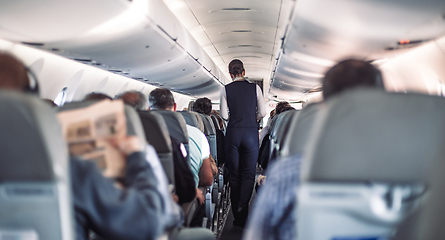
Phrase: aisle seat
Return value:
(176, 127)
(35, 199)
(298, 131)
(367, 163)
(156, 133)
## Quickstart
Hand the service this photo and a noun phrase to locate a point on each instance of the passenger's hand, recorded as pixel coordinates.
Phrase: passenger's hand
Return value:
(200, 196)
(175, 198)
(127, 145)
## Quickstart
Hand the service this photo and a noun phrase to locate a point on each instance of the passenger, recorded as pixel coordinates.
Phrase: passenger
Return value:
(274, 213)
(281, 106)
(242, 104)
(131, 213)
(184, 180)
(172, 212)
(135, 99)
(220, 120)
(162, 99)
(96, 97)
(203, 105)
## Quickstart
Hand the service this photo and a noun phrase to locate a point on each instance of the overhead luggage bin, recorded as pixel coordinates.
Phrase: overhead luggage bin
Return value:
(138, 39)
(367, 163)
(35, 184)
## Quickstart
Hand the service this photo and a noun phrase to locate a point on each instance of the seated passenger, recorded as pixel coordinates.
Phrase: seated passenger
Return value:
(96, 97)
(203, 105)
(162, 99)
(184, 180)
(131, 213)
(135, 99)
(274, 213)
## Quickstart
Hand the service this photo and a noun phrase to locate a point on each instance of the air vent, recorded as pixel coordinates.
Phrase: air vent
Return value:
(242, 32)
(236, 9)
(115, 70)
(35, 44)
(138, 78)
(247, 57)
(245, 46)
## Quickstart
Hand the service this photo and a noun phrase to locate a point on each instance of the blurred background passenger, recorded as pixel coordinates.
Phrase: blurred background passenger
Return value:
(137, 208)
(203, 105)
(96, 97)
(135, 99)
(274, 211)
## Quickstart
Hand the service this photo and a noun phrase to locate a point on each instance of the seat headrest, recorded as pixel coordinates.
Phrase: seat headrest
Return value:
(298, 132)
(192, 119)
(209, 129)
(32, 147)
(176, 125)
(134, 125)
(156, 131)
(371, 135)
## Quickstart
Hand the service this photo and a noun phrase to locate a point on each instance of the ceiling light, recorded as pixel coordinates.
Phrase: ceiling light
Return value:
(245, 46)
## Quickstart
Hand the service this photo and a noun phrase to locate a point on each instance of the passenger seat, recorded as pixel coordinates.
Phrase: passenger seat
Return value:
(35, 199)
(367, 163)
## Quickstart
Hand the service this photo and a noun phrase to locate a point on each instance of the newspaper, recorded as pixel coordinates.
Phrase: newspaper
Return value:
(90, 130)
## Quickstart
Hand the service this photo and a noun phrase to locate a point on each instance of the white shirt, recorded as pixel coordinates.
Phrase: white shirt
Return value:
(261, 105)
(199, 150)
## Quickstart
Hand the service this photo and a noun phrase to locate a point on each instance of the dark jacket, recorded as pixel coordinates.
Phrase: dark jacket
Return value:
(132, 213)
(184, 180)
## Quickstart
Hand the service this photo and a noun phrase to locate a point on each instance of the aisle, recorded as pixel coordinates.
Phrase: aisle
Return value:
(231, 232)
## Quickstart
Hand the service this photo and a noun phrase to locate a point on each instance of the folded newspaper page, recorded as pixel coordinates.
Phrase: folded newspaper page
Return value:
(89, 131)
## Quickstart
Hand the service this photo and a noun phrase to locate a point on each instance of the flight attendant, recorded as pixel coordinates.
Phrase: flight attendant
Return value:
(242, 104)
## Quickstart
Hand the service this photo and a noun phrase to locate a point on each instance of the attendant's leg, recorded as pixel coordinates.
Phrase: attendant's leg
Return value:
(247, 169)
(232, 141)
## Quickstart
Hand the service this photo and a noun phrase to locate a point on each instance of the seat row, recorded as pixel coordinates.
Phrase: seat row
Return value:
(369, 160)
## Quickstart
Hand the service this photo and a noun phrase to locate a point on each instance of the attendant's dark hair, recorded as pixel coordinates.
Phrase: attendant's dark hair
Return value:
(236, 67)
(348, 74)
(203, 105)
(161, 98)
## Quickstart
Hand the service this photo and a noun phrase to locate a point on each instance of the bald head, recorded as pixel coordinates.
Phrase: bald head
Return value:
(13, 74)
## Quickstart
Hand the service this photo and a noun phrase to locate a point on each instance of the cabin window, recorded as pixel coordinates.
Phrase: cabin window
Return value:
(61, 97)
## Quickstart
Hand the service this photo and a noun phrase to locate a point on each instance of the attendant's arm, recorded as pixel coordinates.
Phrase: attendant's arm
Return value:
(261, 104)
(132, 213)
(223, 108)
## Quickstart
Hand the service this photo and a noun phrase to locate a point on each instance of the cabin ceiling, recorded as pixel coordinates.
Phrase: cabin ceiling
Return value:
(318, 34)
(249, 30)
(287, 44)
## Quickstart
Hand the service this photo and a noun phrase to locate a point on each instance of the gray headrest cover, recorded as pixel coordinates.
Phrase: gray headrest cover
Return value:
(176, 125)
(156, 131)
(372, 135)
(32, 147)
